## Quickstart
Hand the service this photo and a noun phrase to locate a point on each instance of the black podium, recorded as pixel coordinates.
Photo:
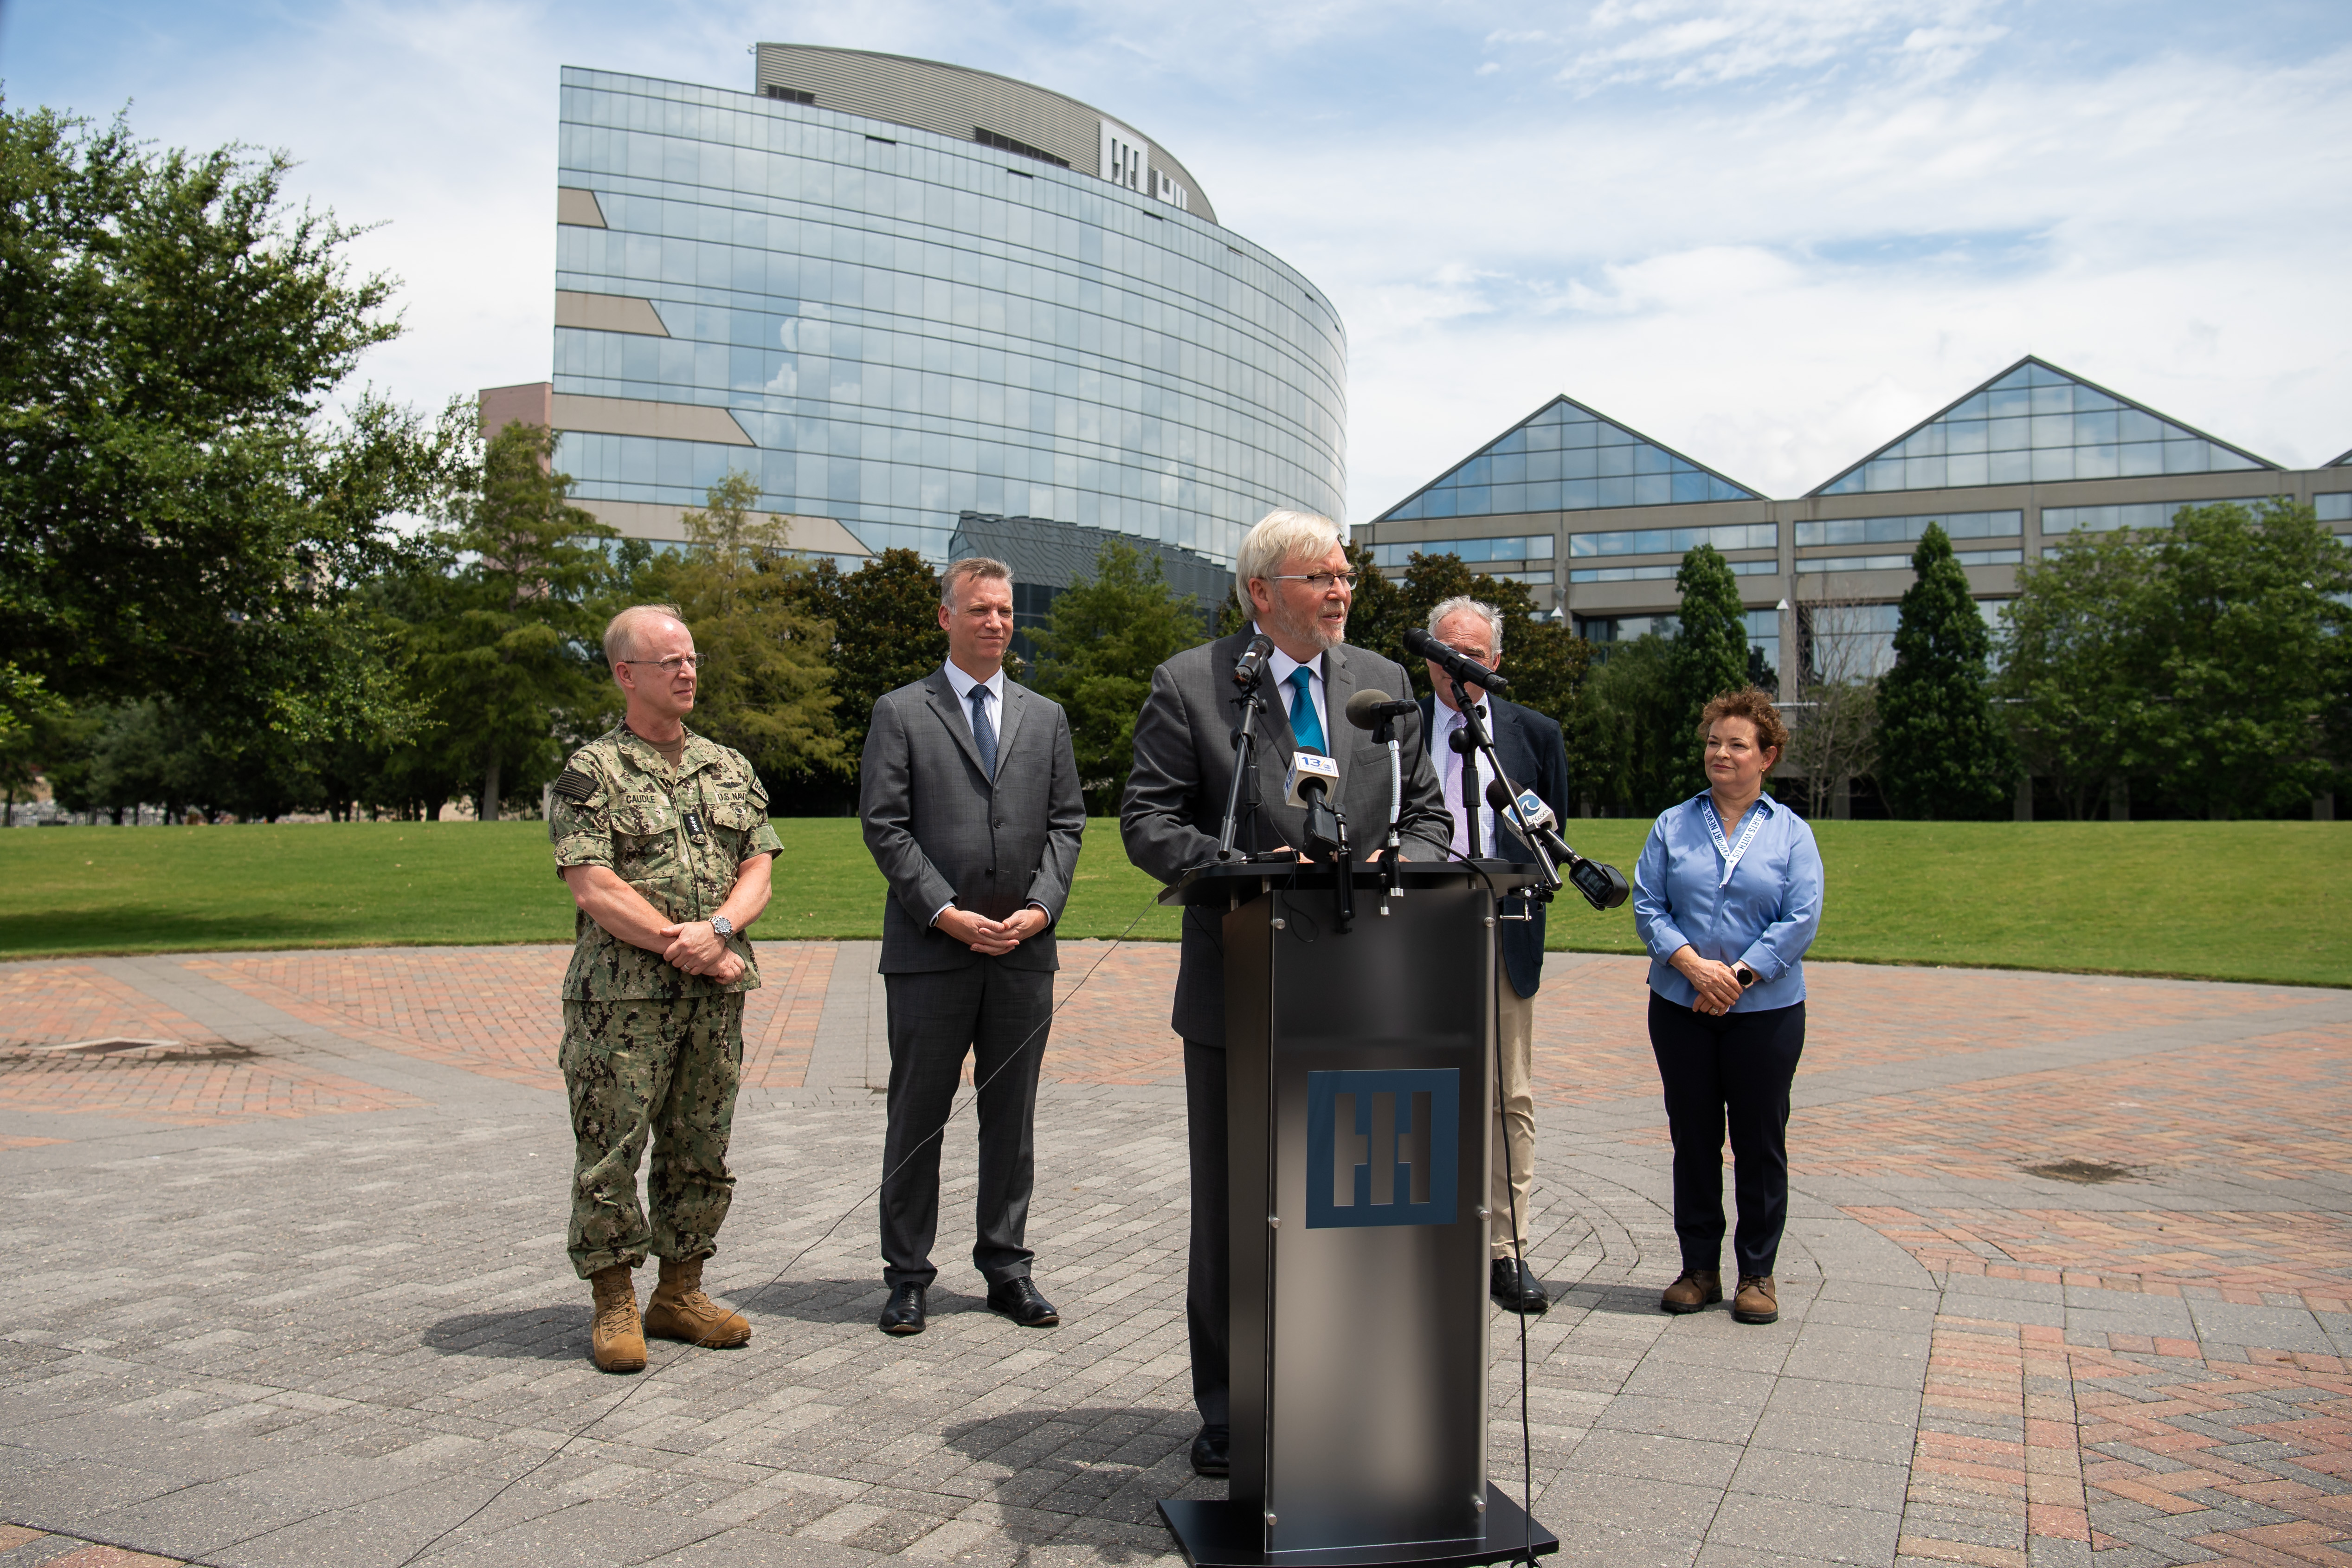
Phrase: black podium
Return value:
(1360, 1082)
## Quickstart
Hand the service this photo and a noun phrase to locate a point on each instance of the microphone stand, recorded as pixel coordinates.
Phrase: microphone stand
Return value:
(1244, 735)
(1391, 852)
(1474, 741)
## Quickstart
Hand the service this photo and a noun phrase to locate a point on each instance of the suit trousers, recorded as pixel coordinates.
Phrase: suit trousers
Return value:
(1733, 1069)
(1001, 1015)
(1209, 1274)
(1513, 1139)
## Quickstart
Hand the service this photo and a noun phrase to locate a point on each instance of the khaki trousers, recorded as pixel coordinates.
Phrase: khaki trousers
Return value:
(1514, 1136)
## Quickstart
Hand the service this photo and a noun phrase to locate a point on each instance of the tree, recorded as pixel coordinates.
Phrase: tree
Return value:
(2075, 668)
(1623, 746)
(766, 690)
(1941, 753)
(183, 519)
(505, 643)
(1105, 635)
(1544, 662)
(1710, 656)
(885, 634)
(2247, 632)
(1833, 730)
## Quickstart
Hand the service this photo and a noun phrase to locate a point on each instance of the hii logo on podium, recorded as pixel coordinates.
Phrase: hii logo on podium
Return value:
(1381, 1146)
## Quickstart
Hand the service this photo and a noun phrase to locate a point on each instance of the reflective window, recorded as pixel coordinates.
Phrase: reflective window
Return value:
(1566, 458)
(2334, 506)
(1514, 547)
(1606, 631)
(1663, 574)
(1893, 562)
(2037, 425)
(1660, 541)
(2139, 514)
(1908, 530)
(908, 328)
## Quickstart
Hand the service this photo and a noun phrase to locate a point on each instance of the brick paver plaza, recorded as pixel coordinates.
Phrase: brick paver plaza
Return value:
(2065, 1283)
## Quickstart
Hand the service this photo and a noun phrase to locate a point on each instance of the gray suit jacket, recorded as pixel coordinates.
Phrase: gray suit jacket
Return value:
(942, 831)
(1184, 762)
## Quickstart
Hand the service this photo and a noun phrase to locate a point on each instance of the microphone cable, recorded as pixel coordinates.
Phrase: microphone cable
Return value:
(646, 1377)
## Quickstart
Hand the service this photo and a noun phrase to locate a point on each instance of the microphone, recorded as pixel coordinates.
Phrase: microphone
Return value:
(1603, 886)
(1369, 709)
(1311, 779)
(1251, 664)
(1468, 671)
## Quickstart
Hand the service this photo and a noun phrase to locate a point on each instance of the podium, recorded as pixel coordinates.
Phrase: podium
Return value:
(1360, 1083)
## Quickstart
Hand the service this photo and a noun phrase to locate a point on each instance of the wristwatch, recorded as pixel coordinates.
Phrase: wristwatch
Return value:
(1747, 976)
(723, 926)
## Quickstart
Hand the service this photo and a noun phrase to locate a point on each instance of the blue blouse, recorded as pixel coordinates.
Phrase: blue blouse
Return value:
(1766, 913)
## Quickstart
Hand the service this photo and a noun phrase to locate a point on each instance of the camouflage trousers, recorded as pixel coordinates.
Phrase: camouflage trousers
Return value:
(668, 1068)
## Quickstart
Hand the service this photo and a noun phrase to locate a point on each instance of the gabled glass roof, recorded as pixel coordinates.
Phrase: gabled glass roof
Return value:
(2343, 461)
(1565, 457)
(2034, 423)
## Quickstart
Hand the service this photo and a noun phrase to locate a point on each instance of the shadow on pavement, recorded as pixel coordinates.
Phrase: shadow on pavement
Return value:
(1095, 1461)
(533, 1333)
(837, 1301)
(1633, 1300)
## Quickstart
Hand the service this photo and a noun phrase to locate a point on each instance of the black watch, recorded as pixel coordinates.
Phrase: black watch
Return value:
(1747, 976)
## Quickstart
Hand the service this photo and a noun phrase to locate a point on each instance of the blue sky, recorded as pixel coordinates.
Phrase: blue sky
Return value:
(1769, 233)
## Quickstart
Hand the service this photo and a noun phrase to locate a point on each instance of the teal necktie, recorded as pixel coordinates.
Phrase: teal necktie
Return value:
(1306, 728)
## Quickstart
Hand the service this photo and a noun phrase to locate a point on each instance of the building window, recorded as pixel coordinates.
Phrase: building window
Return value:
(1512, 548)
(1605, 632)
(1903, 562)
(987, 138)
(789, 94)
(1676, 540)
(2107, 519)
(1664, 574)
(1908, 530)
(2334, 507)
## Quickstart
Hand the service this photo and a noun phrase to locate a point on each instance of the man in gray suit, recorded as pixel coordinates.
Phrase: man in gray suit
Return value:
(1293, 572)
(968, 792)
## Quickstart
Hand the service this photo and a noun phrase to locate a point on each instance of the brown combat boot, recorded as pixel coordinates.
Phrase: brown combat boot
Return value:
(1758, 1301)
(616, 1340)
(1696, 1288)
(679, 1310)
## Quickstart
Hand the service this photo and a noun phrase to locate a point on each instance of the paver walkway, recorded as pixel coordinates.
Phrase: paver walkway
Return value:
(2065, 1283)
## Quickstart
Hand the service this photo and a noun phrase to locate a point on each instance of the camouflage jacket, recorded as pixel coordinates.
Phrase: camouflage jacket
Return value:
(617, 804)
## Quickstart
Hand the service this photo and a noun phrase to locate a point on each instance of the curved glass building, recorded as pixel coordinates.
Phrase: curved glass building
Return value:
(897, 291)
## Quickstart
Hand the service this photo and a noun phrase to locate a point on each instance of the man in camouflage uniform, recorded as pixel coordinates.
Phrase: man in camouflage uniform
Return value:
(664, 838)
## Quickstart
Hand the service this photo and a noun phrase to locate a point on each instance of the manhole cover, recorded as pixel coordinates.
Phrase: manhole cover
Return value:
(2082, 1173)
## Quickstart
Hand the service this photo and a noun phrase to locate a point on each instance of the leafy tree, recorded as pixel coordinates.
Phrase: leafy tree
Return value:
(885, 634)
(2247, 633)
(1097, 651)
(1544, 661)
(503, 645)
(1710, 657)
(1378, 616)
(768, 689)
(1621, 747)
(182, 518)
(2074, 673)
(1942, 754)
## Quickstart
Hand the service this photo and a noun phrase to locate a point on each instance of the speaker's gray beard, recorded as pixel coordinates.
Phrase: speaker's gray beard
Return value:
(1308, 629)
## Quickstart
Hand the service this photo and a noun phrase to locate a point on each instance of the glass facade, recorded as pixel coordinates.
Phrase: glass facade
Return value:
(2107, 519)
(1661, 540)
(1909, 530)
(2333, 507)
(1513, 548)
(1604, 631)
(1664, 574)
(2036, 424)
(905, 328)
(1566, 457)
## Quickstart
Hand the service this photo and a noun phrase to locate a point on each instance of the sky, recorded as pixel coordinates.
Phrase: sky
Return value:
(1770, 234)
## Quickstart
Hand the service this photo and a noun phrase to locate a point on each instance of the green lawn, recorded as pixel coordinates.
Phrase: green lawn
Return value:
(2260, 900)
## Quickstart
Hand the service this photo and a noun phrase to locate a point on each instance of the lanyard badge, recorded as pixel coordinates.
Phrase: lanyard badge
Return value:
(1730, 852)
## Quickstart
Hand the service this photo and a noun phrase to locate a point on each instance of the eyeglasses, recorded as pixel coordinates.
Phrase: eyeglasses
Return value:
(671, 666)
(1321, 580)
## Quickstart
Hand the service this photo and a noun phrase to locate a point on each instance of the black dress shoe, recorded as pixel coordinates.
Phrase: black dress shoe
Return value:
(1212, 1452)
(904, 1315)
(1018, 1299)
(1515, 1288)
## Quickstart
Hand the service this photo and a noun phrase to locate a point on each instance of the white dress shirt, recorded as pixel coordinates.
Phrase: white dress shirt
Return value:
(1280, 666)
(1449, 764)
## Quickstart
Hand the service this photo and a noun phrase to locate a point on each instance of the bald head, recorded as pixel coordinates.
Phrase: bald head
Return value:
(626, 633)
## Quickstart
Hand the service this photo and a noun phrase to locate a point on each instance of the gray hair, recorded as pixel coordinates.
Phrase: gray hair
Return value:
(1278, 536)
(1446, 609)
(987, 568)
(621, 631)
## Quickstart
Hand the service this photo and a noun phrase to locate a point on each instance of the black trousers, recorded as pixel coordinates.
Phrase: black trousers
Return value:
(1732, 1069)
(1209, 1275)
(999, 1016)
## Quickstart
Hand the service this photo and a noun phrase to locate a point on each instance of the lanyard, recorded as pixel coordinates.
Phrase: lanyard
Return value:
(1731, 853)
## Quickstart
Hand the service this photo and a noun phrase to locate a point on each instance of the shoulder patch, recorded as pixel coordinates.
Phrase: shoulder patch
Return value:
(574, 784)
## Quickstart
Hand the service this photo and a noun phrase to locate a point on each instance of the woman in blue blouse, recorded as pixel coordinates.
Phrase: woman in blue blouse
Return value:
(1727, 896)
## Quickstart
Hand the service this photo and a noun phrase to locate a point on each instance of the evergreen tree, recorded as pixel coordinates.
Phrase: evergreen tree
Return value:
(1097, 651)
(767, 688)
(2076, 664)
(1941, 753)
(1711, 657)
(1614, 753)
(885, 634)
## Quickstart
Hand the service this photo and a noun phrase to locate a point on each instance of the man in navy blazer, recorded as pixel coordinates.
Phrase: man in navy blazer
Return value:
(1529, 747)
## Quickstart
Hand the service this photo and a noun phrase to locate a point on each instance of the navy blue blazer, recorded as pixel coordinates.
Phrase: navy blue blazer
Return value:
(1536, 757)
